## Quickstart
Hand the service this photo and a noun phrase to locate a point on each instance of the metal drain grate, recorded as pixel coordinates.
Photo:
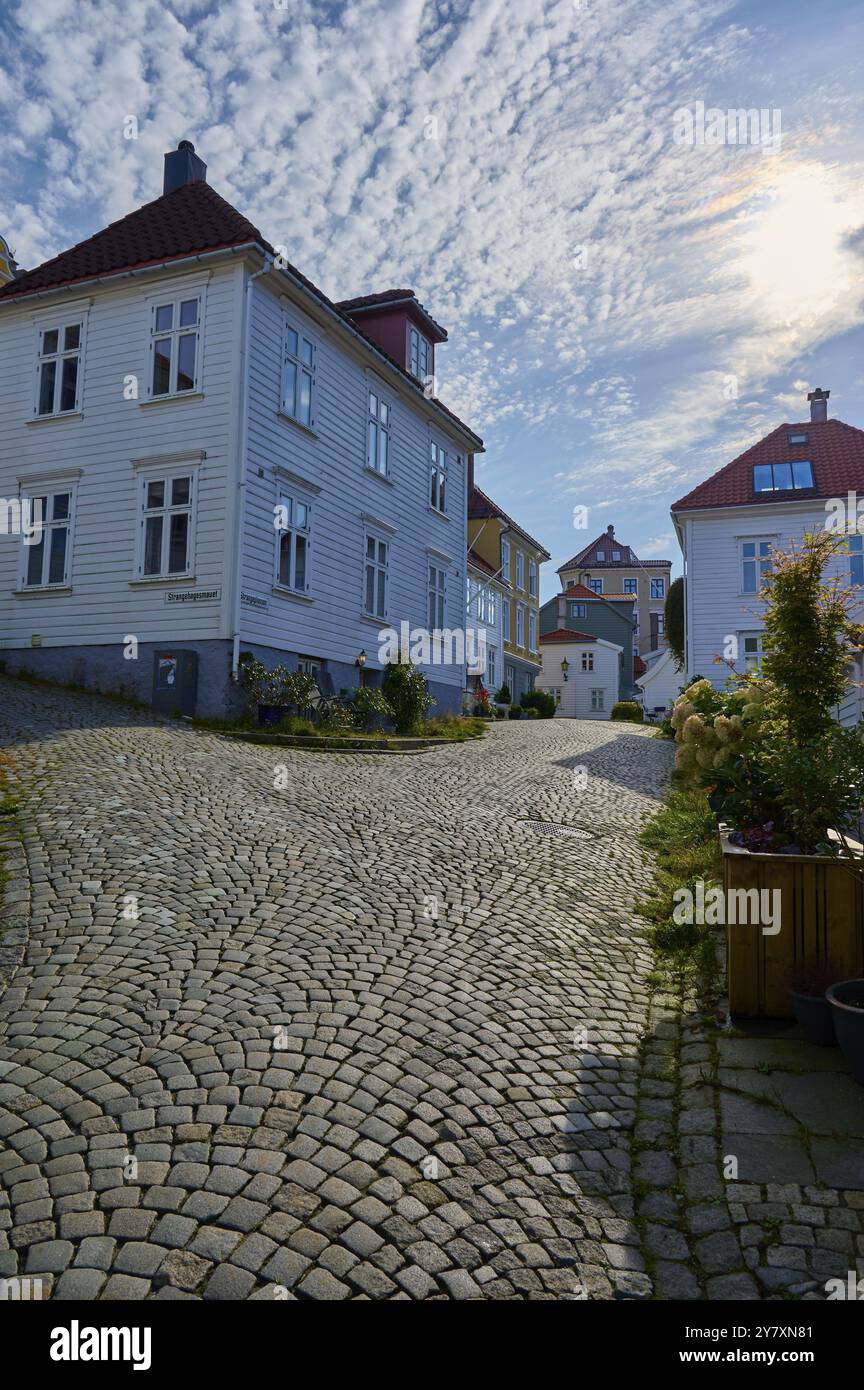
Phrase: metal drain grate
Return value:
(549, 827)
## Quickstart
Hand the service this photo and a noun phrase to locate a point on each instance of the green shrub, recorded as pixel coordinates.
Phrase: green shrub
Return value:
(293, 724)
(503, 696)
(627, 710)
(541, 701)
(407, 693)
(336, 719)
(514, 712)
(278, 686)
(370, 703)
(530, 712)
(454, 726)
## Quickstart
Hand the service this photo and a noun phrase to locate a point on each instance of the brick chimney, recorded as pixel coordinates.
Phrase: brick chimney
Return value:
(818, 404)
(183, 166)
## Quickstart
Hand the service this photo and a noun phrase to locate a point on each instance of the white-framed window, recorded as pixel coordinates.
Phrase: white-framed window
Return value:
(631, 586)
(59, 369)
(520, 570)
(48, 562)
(378, 427)
(491, 665)
(601, 557)
(376, 578)
(616, 555)
(595, 585)
(505, 620)
(437, 477)
(532, 578)
(556, 691)
(755, 562)
(587, 661)
(166, 529)
(856, 559)
(505, 560)
(437, 594)
(532, 630)
(661, 623)
(520, 625)
(293, 518)
(419, 354)
(577, 610)
(597, 700)
(658, 588)
(299, 357)
(175, 338)
(750, 648)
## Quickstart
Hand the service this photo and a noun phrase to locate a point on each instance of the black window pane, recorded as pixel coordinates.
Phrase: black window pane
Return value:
(177, 543)
(153, 545)
(162, 366)
(60, 507)
(156, 494)
(186, 362)
(34, 561)
(72, 337)
(50, 340)
(68, 383)
(285, 542)
(57, 555)
(46, 387)
(180, 492)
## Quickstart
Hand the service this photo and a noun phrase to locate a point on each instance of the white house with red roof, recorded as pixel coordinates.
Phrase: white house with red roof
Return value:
(582, 672)
(611, 568)
(225, 460)
(777, 490)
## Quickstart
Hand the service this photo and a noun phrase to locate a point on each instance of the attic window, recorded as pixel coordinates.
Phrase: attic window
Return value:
(616, 554)
(800, 438)
(601, 557)
(782, 477)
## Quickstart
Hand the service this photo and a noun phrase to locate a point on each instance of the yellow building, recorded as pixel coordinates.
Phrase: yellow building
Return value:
(515, 558)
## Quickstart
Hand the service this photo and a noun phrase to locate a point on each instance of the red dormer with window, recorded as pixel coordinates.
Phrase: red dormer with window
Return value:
(397, 322)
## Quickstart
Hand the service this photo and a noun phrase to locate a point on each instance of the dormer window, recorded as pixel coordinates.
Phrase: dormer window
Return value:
(800, 438)
(782, 477)
(601, 557)
(419, 355)
(616, 555)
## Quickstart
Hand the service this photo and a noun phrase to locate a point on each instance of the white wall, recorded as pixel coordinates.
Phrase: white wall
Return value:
(331, 460)
(105, 602)
(661, 683)
(576, 690)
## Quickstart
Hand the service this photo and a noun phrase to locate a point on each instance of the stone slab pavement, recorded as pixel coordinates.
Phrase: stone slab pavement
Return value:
(289, 1024)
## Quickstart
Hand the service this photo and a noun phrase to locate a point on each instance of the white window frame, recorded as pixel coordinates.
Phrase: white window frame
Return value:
(419, 354)
(59, 324)
(167, 475)
(436, 596)
(601, 557)
(370, 534)
(175, 333)
(505, 560)
(520, 626)
(303, 367)
(292, 499)
(491, 657)
(532, 630)
(581, 609)
(598, 699)
(505, 620)
(532, 578)
(750, 661)
(438, 477)
(758, 560)
(595, 585)
(51, 489)
(634, 586)
(520, 571)
(657, 582)
(379, 424)
(587, 661)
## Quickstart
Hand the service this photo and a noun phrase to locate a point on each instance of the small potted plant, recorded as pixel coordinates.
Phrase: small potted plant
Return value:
(515, 712)
(808, 982)
(846, 999)
(482, 703)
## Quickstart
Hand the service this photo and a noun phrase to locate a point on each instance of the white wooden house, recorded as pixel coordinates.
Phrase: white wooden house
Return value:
(794, 480)
(227, 460)
(581, 671)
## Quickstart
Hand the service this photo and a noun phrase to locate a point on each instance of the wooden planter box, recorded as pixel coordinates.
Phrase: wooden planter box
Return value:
(822, 917)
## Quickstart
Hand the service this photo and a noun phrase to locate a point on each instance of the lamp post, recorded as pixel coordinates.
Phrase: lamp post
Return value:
(565, 667)
(360, 662)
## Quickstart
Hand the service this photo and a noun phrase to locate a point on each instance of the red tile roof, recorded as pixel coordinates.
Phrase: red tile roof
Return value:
(192, 219)
(567, 634)
(188, 221)
(479, 505)
(835, 450)
(605, 544)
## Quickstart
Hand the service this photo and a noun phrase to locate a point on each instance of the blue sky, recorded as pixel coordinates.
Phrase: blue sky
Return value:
(625, 313)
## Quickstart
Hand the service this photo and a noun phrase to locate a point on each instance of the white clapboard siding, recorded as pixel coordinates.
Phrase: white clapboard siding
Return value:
(576, 690)
(331, 457)
(715, 607)
(104, 606)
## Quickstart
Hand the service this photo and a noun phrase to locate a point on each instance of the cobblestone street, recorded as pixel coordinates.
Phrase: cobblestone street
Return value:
(371, 1036)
